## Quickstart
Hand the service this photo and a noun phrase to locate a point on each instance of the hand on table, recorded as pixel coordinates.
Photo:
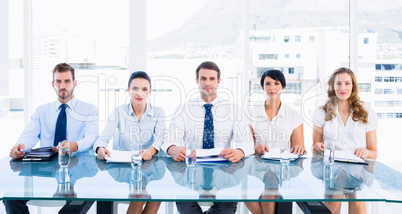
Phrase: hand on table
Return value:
(233, 155)
(261, 149)
(103, 153)
(17, 151)
(318, 147)
(177, 153)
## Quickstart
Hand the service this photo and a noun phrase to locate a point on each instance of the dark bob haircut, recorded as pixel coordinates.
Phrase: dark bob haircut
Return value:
(274, 74)
(139, 74)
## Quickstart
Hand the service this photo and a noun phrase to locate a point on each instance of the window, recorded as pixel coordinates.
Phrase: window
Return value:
(286, 56)
(389, 79)
(286, 39)
(365, 41)
(291, 70)
(261, 71)
(260, 38)
(388, 67)
(399, 90)
(378, 91)
(388, 91)
(378, 79)
(311, 39)
(298, 56)
(293, 88)
(268, 56)
(364, 87)
(297, 38)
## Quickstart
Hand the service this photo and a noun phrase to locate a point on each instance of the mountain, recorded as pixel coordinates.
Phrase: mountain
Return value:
(220, 23)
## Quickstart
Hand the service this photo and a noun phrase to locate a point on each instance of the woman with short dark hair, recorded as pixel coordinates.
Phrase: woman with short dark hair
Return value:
(274, 124)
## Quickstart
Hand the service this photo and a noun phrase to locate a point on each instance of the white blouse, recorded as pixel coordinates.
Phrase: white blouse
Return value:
(278, 131)
(349, 137)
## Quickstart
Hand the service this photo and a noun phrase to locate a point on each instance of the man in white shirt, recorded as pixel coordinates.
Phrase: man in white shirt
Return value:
(67, 118)
(210, 122)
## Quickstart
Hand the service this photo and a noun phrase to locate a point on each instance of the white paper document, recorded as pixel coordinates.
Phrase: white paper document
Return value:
(275, 154)
(209, 155)
(119, 157)
(347, 156)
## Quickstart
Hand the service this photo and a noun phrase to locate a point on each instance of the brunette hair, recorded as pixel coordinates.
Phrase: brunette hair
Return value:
(356, 105)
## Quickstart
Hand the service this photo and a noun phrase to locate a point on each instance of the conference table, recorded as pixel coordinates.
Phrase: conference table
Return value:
(253, 179)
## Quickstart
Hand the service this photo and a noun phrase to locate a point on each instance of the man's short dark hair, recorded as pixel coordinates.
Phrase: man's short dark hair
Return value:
(274, 74)
(139, 74)
(208, 65)
(63, 67)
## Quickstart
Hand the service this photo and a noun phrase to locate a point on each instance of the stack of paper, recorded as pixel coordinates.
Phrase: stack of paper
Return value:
(275, 154)
(347, 156)
(119, 157)
(209, 155)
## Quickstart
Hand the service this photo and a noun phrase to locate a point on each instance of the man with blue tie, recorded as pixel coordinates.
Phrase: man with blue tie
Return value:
(67, 118)
(210, 122)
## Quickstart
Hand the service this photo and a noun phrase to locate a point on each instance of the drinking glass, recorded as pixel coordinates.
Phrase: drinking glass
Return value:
(285, 153)
(136, 155)
(285, 176)
(329, 152)
(190, 153)
(135, 182)
(64, 153)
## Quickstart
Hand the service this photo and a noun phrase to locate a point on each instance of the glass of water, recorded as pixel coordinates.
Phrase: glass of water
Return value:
(190, 177)
(191, 153)
(135, 182)
(285, 153)
(285, 176)
(64, 153)
(329, 152)
(136, 155)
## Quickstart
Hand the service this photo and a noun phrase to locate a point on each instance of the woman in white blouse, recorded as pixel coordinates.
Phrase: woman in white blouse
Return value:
(137, 122)
(345, 121)
(274, 124)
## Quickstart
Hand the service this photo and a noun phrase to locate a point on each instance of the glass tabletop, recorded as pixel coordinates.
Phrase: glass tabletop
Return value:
(162, 179)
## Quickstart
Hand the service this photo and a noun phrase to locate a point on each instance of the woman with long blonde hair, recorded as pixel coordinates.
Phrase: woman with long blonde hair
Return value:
(347, 122)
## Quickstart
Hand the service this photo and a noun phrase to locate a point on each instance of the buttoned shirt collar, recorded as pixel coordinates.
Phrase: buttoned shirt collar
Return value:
(148, 110)
(70, 104)
(262, 114)
(201, 102)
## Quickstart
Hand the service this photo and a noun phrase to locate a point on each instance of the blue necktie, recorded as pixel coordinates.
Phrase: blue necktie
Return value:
(61, 125)
(208, 137)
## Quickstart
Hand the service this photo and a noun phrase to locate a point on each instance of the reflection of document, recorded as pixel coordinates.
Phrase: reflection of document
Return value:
(210, 155)
(347, 156)
(275, 154)
(119, 157)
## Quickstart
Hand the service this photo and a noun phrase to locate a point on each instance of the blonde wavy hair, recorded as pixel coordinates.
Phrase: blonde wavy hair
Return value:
(356, 105)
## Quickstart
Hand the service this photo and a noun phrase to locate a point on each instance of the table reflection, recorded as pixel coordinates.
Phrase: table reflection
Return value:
(137, 179)
(206, 178)
(80, 166)
(274, 175)
(342, 180)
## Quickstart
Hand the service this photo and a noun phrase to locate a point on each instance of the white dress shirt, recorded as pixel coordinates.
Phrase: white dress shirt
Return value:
(278, 131)
(149, 131)
(349, 137)
(82, 125)
(230, 126)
